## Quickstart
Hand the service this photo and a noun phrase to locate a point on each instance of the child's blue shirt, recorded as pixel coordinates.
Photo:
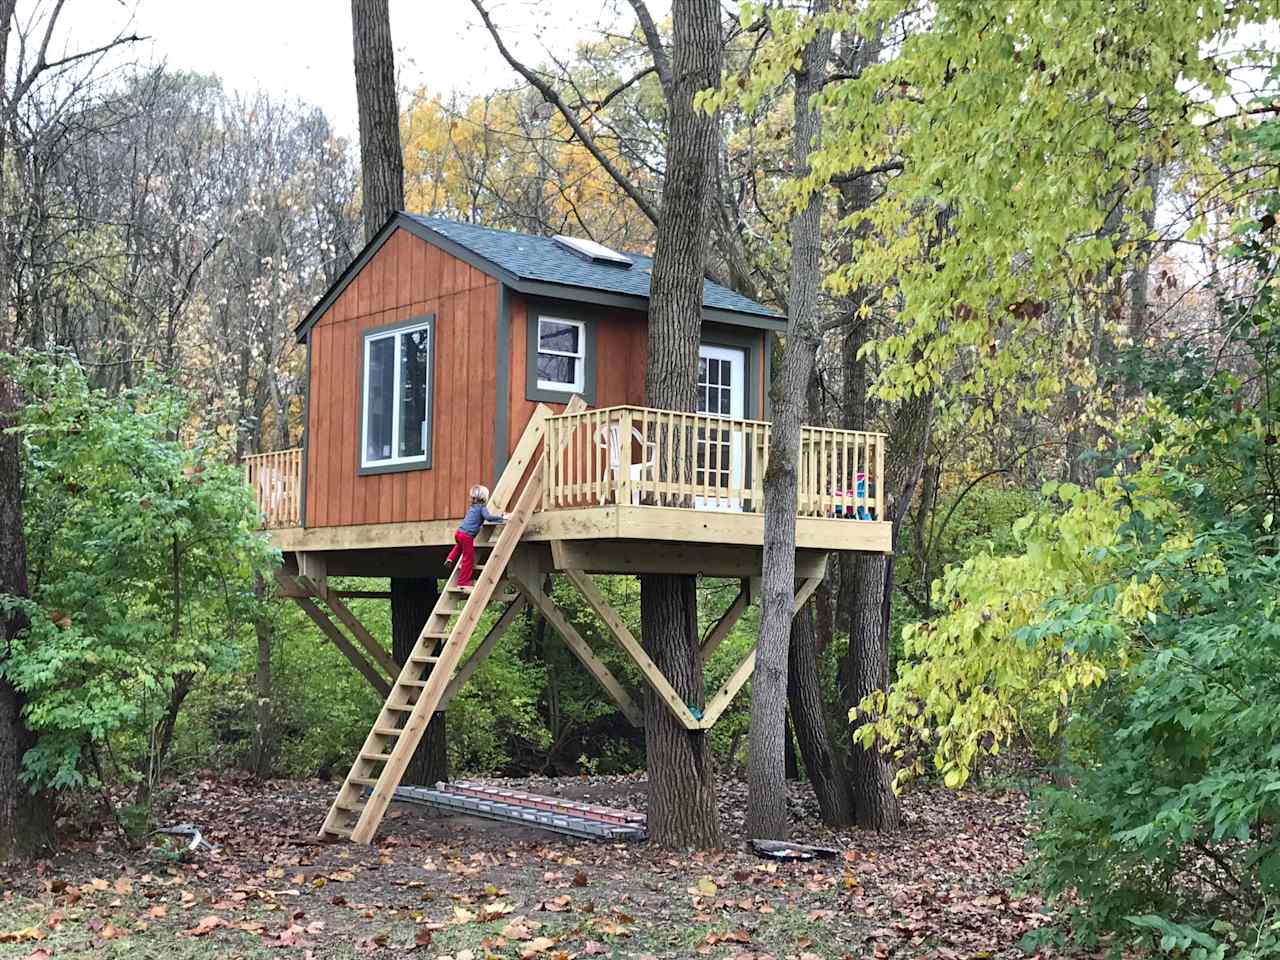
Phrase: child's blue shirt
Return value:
(476, 516)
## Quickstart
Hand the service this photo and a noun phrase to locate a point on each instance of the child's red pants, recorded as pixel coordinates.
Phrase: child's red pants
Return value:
(464, 547)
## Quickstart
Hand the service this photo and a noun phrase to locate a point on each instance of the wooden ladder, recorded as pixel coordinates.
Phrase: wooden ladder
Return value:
(412, 701)
(425, 676)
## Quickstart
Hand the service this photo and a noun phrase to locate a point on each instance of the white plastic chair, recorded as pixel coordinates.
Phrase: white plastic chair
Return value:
(610, 438)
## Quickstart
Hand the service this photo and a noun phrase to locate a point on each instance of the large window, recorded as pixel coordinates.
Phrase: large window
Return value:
(396, 414)
(561, 354)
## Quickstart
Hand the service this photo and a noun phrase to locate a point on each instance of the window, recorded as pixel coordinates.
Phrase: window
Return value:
(396, 414)
(561, 354)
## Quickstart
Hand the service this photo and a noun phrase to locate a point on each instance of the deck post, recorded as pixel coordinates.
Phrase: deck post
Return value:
(625, 438)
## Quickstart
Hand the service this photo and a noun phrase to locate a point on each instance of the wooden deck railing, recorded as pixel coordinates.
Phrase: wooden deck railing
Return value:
(276, 479)
(641, 456)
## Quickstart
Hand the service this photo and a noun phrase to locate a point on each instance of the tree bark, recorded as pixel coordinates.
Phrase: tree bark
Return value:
(766, 783)
(263, 721)
(381, 162)
(26, 817)
(682, 813)
(828, 776)
(412, 600)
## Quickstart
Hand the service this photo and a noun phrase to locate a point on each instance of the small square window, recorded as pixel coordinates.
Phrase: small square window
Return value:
(561, 354)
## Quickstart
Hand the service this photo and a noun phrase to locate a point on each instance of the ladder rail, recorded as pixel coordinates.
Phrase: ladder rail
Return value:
(413, 700)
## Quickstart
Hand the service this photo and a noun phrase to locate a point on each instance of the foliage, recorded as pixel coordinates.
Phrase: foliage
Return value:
(142, 549)
(1174, 826)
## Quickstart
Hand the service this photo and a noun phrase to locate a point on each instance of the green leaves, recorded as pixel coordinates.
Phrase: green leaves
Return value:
(142, 549)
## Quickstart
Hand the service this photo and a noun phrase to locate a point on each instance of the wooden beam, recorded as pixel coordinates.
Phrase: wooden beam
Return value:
(707, 559)
(579, 647)
(631, 645)
(330, 630)
(724, 696)
(361, 633)
(464, 672)
(727, 621)
(288, 586)
(669, 526)
(312, 566)
(362, 594)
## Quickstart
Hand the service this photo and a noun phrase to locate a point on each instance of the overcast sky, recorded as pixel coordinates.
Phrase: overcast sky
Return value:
(303, 47)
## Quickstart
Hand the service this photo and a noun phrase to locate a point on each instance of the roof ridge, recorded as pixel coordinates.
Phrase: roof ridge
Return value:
(550, 238)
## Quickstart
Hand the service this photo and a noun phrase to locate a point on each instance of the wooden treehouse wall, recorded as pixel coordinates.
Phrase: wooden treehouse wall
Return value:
(406, 278)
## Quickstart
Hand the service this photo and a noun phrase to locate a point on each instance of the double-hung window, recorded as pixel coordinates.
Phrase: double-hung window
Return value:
(395, 422)
(561, 354)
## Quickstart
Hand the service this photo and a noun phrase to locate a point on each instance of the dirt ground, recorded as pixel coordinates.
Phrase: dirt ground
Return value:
(438, 885)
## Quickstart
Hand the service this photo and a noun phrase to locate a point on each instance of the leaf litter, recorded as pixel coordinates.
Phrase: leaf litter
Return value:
(439, 885)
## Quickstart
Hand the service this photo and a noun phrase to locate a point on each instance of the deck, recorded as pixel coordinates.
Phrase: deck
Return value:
(618, 476)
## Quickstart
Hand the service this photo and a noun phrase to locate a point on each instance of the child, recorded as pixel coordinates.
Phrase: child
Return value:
(465, 539)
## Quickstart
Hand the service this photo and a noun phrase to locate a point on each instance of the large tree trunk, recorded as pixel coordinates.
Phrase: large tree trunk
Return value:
(26, 818)
(767, 789)
(829, 778)
(682, 793)
(867, 669)
(412, 600)
(381, 162)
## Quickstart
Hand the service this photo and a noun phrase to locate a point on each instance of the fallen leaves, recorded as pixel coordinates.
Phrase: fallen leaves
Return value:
(207, 925)
(18, 936)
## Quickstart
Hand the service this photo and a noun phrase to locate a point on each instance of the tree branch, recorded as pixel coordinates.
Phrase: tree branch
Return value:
(889, 166)
(654, 40)
(552, 97)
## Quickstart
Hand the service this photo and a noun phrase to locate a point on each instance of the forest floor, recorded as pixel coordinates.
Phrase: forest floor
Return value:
(437, 885)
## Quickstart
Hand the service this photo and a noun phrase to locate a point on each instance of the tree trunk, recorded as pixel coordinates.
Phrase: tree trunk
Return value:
(682, 811)
(263, 725)
(381, 162)
(804, 697)
(412, 600)
(766, 784)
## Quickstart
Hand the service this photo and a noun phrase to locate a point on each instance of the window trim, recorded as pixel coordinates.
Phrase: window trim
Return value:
(397, 464)
(587, 321)
(581, 355)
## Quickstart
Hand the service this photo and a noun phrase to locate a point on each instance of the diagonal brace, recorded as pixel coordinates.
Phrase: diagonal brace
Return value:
(648, 669)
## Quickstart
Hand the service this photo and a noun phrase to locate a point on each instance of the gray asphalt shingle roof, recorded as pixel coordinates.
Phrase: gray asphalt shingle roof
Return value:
(542, 259)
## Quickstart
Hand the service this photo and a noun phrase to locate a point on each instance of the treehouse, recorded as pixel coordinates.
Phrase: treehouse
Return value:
(449, 354)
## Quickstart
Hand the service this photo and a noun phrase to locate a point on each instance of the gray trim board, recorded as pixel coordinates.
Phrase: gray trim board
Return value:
(502, 416)
(429, 321)
(534, 311)
(306, 438)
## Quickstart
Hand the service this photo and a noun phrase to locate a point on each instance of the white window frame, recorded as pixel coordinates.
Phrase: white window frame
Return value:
(579, 381)
(397, 391)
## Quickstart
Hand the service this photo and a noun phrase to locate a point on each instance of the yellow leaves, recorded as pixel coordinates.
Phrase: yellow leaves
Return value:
(705, 887)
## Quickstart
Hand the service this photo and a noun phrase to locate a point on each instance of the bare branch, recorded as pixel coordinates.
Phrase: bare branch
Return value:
(652, 37)
(550, 95)
(625, 85)
(889, 166)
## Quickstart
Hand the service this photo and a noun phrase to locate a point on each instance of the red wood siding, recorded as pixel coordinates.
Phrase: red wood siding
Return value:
(621, 346)
(405, 278)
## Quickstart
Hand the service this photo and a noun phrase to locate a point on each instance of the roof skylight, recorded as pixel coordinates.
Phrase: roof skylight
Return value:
(592, 251)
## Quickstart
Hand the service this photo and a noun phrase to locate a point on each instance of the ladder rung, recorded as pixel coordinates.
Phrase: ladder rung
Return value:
(342, 832)
(363, 781)
(412, 683)
(384, 757)
(388, 731)
(354, 807)
(399, 707)
(417, 659)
